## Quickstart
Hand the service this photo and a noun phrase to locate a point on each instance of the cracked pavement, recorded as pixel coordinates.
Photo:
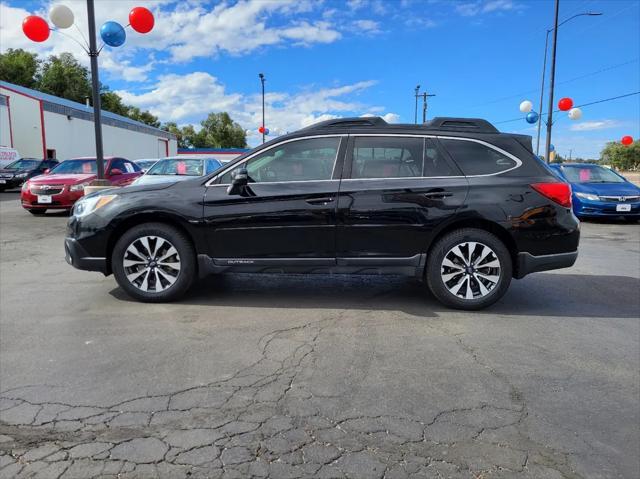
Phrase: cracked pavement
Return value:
(288, 377)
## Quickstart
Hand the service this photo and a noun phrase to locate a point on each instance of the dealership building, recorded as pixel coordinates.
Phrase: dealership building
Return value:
(39, 125)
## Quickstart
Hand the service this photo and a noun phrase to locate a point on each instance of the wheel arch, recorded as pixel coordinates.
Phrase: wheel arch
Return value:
(482, 224)
(129, 222)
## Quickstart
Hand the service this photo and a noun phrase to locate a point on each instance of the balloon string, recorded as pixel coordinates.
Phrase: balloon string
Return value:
(86, 42)
(70, 37)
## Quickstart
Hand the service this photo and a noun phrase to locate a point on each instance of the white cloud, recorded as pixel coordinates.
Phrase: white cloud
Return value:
(594, 125)
(186, 30)
(478, 7)
(367, 27)
(188, 98)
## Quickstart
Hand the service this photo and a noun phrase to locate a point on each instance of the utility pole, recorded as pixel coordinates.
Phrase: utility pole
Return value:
(570, 151)
(415, 116)
(552, 82)
(262, 82)
(424, 106)
(95, 87)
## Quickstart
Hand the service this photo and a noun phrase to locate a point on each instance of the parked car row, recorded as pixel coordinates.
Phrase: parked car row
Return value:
(47, 184)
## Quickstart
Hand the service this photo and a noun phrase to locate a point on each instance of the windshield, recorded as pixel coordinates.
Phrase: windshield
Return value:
(75, 167)
(590, 174)
(177, 167)
(23, 164)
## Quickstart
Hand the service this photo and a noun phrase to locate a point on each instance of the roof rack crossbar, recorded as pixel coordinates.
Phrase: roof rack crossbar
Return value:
(461, 124)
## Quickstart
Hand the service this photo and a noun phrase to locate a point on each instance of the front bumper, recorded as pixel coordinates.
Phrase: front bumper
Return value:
(77, 257)
(528, 263)
(59, 201)
(597, 209)
(10, 183)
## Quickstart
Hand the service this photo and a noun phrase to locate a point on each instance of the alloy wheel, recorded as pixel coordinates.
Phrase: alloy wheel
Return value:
(151, 264)
(470, 270)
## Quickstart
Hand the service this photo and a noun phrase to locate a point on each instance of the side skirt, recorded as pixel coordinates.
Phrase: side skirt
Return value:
(411, 266)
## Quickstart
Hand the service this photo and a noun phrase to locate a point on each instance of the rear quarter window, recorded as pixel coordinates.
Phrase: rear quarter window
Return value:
(475, 158)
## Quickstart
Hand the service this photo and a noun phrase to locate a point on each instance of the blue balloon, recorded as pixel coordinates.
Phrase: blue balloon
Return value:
(552, 148)
(532, 117)
(266, 131)
(113, 34)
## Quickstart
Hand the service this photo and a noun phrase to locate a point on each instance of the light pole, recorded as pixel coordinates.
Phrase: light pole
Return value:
(261, 76)
(544, 66)
(415, 116)
(95, 90)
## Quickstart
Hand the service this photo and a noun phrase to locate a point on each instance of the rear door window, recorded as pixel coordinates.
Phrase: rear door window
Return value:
(475, 158)
(387, 157)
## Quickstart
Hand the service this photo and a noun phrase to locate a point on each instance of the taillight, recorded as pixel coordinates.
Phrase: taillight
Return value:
(558, 192)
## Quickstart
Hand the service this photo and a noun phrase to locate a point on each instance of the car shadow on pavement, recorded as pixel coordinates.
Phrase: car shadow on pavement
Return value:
(542, 294)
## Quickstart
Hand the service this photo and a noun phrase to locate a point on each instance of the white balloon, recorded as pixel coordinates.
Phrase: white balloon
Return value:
(61, 16)
(575, 113)
(526, 106)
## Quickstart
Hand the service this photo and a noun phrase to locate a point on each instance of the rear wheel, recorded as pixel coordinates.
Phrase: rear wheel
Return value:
(37, 212)
(469, 269)
(154, 262)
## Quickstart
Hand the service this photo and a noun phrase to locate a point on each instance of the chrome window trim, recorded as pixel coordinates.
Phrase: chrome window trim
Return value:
(401, 135)
(235, 165)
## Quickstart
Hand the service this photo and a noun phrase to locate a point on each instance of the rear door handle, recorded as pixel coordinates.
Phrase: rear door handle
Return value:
(437, 194)
(320, 201)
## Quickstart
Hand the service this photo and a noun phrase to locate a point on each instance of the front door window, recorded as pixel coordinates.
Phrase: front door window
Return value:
(309, 159)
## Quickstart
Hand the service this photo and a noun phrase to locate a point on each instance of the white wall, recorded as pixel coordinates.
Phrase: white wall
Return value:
(5, 131)
(75, 137)
(25, 122)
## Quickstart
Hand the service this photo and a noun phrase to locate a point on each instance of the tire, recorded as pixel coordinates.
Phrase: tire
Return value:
(37, 212)
(153, 280)
(456, 284)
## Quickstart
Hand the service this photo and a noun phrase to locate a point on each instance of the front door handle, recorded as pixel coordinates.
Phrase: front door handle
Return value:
(437, 194)
(320, 201)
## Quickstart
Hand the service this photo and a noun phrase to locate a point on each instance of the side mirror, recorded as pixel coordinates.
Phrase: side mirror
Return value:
(239, 182)
(115, 172)
(46, 171)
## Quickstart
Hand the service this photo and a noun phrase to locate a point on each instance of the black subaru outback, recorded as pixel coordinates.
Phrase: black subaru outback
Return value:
(453, 202)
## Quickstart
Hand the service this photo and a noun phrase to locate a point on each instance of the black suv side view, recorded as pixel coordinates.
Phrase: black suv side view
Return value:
(454, 202)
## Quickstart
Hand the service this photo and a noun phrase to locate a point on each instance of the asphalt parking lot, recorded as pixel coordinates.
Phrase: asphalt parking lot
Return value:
(316, 376)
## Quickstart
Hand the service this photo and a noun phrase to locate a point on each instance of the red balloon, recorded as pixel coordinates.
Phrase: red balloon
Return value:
(35, 28)
(141, 20)
(565, 104)
(627, 140)
(261, 129)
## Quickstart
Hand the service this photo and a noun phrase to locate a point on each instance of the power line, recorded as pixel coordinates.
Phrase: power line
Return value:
(577, 106)
(586, 75)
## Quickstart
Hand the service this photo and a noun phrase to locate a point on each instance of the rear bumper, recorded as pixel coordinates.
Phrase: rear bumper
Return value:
(77, 257)
(528, 263)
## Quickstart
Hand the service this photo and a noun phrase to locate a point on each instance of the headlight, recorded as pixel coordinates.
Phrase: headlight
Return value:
(92, 204)
(22, 175)
(587, 196)
(79, 187)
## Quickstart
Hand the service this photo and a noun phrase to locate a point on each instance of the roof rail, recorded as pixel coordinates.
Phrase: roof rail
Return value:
(461, 124)
(349, 122)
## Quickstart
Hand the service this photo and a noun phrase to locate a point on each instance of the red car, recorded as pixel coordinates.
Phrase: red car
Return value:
(61, 187)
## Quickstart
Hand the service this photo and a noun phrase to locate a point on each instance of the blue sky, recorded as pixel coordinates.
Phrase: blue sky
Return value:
(341, 58)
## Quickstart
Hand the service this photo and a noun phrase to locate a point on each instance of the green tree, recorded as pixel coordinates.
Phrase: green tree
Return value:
(112, 102)
(65, 77)
(621, 157)
(220, 131)
(19, 67)
(143, 116)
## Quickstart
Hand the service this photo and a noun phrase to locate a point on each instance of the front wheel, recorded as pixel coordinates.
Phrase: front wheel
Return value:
(469, 269)
(154, 262)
